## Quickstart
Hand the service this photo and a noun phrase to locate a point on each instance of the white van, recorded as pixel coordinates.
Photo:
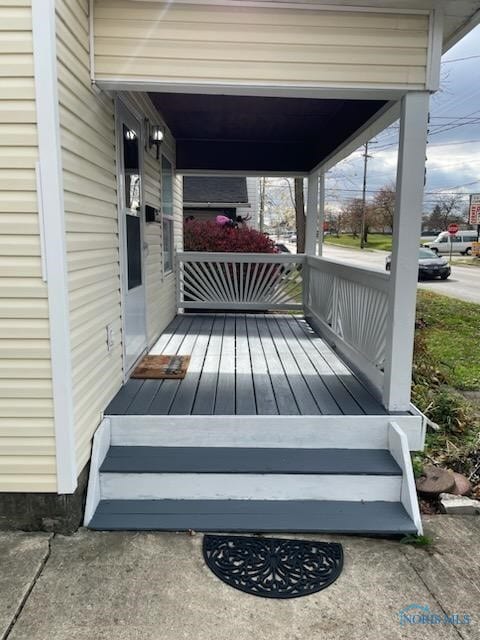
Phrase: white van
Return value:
(461, 242)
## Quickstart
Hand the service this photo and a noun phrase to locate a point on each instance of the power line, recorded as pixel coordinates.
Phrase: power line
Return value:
(459, 59)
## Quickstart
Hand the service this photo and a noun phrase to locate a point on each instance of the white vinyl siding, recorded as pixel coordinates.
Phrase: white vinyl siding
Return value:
(88, 155)
(154, 41)
(27, 442)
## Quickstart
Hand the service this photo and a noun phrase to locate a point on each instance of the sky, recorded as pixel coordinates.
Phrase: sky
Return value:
(453, 152)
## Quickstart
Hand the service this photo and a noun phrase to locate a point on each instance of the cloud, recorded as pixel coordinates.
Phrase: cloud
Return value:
(453, 152)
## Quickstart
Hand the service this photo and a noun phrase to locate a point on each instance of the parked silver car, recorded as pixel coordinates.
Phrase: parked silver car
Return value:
(430, 265)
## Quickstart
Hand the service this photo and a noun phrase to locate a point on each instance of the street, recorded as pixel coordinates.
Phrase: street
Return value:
(464, 283)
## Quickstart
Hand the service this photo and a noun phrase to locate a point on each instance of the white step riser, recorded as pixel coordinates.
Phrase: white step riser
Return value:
(217, 486)
(339, 432)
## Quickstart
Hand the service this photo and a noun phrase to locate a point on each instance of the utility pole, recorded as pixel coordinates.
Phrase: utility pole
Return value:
(364, 195)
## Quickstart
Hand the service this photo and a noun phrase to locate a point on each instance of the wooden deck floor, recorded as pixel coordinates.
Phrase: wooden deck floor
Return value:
(247, 364)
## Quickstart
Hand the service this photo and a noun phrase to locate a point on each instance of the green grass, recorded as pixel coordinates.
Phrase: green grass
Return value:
(445, 365)
(375, 241)
(466, 262)
(417, 541)
(452, 334)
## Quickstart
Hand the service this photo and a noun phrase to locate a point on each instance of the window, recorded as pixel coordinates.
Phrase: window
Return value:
(167, 214)
(167, 245)
(131, 171)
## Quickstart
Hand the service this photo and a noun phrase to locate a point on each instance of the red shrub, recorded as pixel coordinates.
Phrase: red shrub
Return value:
(207, 235)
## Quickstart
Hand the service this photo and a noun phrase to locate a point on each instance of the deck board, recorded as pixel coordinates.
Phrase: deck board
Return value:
(386, 518)
(264, 394)
(319, 390)
(185, 396)
(362, 396)
(244, 389)
(225, 392)
(248, 364)
(207, 387)
(303, 396)
(286, 402)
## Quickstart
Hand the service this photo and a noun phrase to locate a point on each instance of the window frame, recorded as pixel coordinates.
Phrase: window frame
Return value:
(167, 217)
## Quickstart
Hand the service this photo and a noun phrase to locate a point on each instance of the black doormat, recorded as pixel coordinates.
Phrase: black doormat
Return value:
(273, 567)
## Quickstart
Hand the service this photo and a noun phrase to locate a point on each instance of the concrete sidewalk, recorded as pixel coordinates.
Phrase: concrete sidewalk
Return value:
(154, 586)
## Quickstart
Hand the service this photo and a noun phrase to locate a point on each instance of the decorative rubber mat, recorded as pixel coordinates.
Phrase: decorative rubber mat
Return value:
(160, 367)
(273, 567)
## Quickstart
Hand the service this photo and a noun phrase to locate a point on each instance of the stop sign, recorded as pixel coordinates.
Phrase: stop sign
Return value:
(453, 228)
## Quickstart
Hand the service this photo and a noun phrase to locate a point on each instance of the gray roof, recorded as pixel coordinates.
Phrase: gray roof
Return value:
(214, 190)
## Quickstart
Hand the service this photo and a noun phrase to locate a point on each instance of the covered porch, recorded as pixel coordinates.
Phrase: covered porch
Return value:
(368, 318)
(295, 413)
(297, 398)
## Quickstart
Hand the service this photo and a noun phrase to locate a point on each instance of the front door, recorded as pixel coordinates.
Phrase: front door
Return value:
(131, 213)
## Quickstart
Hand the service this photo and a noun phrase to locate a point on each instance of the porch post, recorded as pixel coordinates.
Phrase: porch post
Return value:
(406, 242)
(311, 223)
(321, 211)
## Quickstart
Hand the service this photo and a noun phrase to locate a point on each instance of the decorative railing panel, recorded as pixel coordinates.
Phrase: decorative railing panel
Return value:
(239, 281)
(353, 303)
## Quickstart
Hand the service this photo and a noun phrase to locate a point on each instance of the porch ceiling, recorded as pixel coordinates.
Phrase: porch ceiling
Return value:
(258, 134)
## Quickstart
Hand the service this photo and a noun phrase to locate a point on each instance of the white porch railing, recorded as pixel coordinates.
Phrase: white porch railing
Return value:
(243, 281)
(350, 306)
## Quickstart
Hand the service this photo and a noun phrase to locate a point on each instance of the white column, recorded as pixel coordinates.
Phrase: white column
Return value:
(406, 242)
(321, 211)
(52, 214)
(311, 223)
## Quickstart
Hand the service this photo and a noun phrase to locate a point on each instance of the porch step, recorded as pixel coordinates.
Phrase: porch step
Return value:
(249, 460)
(172, 474)
(380, 518)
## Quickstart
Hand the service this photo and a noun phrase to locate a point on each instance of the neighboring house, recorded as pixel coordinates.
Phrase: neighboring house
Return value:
(104, 105)
(205, 197)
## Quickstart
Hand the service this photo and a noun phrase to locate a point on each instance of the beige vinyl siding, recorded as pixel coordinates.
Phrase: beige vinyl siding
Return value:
(159, 286)
(27, 442)
(153, 41)
(87, 121)
(87, 126)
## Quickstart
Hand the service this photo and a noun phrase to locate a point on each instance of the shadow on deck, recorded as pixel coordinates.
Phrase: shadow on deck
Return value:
(248, 364)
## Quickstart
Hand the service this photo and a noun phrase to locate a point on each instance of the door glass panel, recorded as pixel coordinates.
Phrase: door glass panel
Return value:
(134, 252)
(132, 171)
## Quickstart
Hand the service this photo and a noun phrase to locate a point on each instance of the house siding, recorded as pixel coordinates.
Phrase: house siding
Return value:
(87, 122)
(171, 42)
(87, 125)
(253, 189)
(27, 441)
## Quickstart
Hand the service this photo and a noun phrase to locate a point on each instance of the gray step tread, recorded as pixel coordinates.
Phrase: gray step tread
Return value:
(249, 460)
(383, 518)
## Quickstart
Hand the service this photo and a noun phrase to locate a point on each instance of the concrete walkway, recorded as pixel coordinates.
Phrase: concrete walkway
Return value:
(154, 586)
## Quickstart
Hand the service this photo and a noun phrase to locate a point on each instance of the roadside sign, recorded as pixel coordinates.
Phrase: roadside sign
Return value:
(476, 249)
(474, 210)
(453, 228)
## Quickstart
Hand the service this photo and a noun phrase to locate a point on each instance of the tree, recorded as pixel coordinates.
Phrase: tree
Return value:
(384, 206)
(351, 216)
(332, 222)
(300, 214)
(445, 211)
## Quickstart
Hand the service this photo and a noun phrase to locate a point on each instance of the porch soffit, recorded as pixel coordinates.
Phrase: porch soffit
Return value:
(254, 134)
